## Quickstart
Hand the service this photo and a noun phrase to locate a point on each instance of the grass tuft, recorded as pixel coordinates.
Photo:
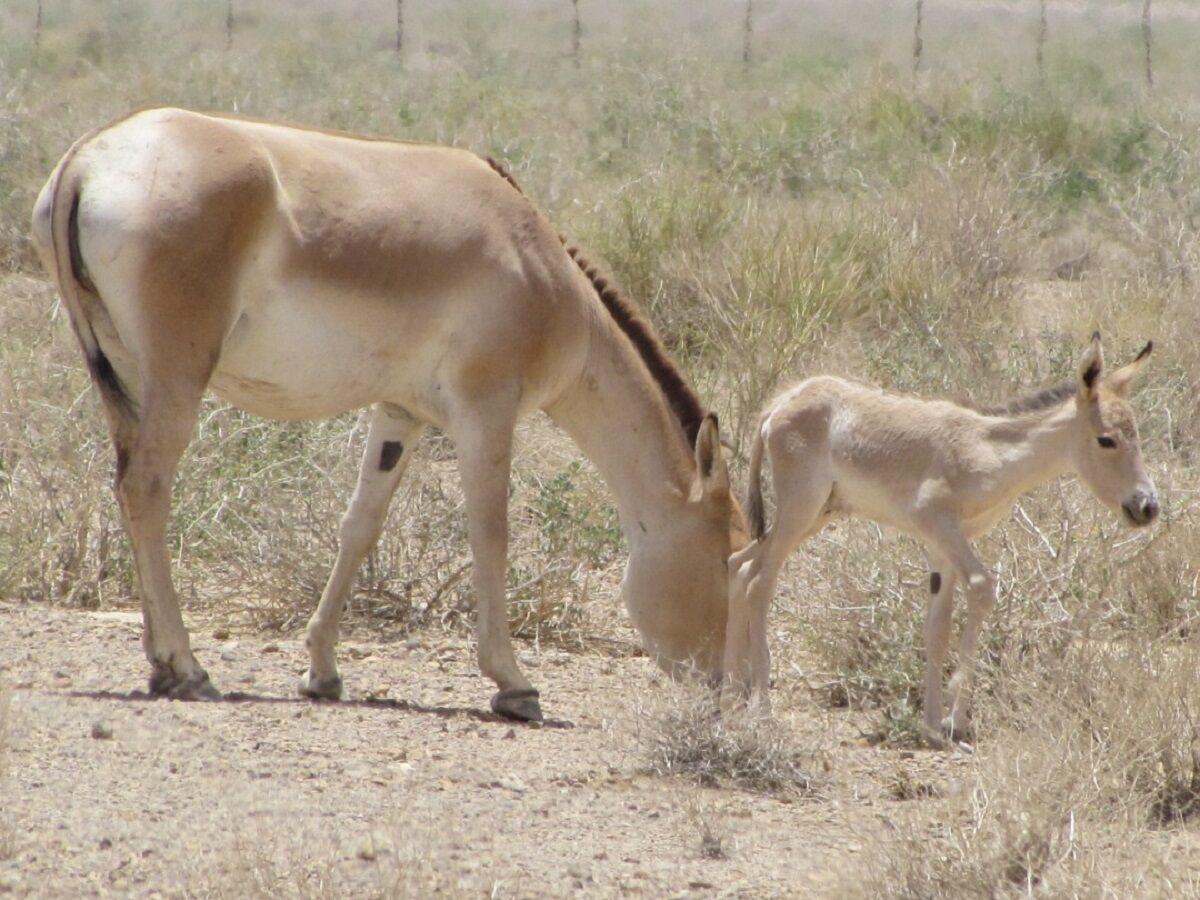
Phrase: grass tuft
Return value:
(685, 734)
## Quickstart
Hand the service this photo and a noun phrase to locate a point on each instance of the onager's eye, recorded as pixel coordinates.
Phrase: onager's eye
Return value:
(1106, 442)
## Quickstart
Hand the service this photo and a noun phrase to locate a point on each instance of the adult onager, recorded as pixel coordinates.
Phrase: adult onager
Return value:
(299, 273)
(941, 472)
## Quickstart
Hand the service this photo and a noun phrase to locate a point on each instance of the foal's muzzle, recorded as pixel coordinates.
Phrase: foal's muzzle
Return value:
(1141, 508)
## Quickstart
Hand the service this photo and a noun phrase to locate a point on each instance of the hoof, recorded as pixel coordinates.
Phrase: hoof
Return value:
(165, 683)
(321, 688)
(958, 734)
(947, 737)
(933, 737)
(518, 703)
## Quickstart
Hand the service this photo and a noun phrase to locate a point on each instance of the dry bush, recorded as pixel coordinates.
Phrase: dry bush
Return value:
(683, 732)
(1091, 755)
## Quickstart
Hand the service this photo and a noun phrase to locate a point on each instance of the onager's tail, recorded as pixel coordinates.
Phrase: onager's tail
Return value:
(60, 223)
(754, 498)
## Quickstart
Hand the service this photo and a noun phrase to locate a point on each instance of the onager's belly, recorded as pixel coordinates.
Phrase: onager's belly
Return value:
(289, 367)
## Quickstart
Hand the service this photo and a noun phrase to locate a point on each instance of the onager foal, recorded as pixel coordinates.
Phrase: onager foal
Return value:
(940, 472)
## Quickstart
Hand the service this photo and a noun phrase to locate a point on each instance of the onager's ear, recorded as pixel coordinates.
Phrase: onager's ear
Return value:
(712, 475)
(1090, 367)
(1120, 381)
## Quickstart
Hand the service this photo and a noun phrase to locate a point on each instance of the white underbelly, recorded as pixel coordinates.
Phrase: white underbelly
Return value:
(300, 353)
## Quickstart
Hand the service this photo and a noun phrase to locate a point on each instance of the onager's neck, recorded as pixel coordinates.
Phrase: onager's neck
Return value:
(1034, 447)
(618, 416)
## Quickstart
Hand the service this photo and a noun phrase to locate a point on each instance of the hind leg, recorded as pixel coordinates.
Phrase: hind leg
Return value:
(392, 437)
(148, 453)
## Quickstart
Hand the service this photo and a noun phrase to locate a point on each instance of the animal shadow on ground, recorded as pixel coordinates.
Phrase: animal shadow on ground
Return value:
(444, 712)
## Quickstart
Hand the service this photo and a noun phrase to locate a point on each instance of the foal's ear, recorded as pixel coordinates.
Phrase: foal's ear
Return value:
(1120, 381)
(1091, 364)
(711, 471)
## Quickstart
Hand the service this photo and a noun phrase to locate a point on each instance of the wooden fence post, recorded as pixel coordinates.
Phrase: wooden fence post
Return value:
(37, 28)
(399, 26)
(748, 35)
(1148, 40)
(576, 34)
(1041, 43)
(229, 26)
(918, 43)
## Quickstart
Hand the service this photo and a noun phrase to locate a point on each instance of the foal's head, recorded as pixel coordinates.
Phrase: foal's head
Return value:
(1108, 454)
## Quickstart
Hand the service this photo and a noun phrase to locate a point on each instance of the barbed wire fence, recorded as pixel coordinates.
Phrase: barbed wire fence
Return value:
(747, 24)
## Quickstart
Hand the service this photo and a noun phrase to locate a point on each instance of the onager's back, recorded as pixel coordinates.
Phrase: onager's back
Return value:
(941, 472)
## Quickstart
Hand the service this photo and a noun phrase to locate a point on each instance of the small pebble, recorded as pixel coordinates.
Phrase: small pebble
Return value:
(221, 633)
(102, 731)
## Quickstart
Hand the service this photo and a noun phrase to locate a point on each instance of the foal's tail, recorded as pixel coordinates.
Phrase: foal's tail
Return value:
(754, 497)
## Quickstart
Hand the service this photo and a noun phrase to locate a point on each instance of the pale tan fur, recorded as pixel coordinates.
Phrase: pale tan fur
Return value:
(941, 472)
(298, 273)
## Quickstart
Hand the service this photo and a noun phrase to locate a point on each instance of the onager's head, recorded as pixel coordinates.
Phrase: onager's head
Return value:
(676, 586)
(1108, 454)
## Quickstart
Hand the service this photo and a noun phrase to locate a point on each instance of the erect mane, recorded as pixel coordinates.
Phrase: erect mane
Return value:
(637, 328)
(1030, 403)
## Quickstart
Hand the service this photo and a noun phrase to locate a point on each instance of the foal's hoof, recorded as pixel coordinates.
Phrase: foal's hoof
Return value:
(933, 737)
(165, 683)
(947, 737)
(321, 688)
(518, 703)
(961, 736)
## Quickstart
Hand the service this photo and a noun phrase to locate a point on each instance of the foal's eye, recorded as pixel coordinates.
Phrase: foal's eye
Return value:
(1106, 442)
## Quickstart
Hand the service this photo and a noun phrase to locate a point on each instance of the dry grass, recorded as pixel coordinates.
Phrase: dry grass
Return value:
(682, 732)
(7, 828)
(394, 862)
(1086, 801)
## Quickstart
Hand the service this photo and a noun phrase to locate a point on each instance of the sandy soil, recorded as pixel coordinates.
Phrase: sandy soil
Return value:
(417, 792)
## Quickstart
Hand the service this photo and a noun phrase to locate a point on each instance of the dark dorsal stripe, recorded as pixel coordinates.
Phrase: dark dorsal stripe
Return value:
(1031, 403)
(500, 169)
(678, 393)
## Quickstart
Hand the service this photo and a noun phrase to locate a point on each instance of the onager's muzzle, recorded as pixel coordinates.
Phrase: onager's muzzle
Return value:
(1142, 508)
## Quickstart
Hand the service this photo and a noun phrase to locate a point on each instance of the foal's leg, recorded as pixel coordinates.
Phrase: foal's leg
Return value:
(483, 436)
(391, 440)
(942, 580)
(744, 566)
(948, 541)
(802, 488)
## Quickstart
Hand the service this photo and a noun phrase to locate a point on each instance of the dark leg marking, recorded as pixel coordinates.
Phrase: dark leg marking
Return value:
(389, 455)
(935, 582)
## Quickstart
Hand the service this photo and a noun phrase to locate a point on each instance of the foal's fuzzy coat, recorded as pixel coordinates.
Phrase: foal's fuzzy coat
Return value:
(943, 473)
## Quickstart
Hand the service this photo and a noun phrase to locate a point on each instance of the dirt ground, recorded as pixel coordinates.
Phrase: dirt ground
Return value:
(416, 792)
